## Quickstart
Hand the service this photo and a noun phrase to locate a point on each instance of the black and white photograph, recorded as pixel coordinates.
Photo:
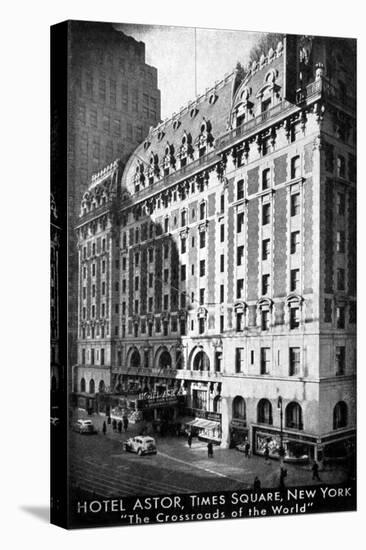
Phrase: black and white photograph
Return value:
(211, 267)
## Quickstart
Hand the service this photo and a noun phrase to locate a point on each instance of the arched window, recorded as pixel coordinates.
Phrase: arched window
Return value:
(264, 412)
(201, 361)
(135, 359)
(294, 416)
(82, 385)
(165, 360)
(340, 415)
(217, 404)
(92, 386)
(239, 409)
(101, 386)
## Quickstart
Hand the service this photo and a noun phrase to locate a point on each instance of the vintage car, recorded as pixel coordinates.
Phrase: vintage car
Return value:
(84, 427)
(141, 444)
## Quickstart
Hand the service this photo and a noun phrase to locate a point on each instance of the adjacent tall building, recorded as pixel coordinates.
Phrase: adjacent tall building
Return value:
(113, 99)
(217, 267)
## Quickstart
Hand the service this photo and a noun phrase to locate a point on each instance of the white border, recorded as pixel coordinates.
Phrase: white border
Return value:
(24, 273)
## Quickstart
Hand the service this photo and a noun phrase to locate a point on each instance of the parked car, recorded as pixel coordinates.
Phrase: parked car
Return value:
(84, 427)
(141, 444)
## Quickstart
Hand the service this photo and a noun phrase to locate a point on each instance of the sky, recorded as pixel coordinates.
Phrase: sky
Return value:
(172, 51)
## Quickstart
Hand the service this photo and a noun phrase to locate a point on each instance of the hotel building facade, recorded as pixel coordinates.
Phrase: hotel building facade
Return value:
(217, 266)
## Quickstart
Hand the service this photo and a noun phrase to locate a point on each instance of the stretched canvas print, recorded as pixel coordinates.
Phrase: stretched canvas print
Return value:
(203, 274)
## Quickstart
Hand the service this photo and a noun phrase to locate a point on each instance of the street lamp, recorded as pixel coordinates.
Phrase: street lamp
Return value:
(281, 450)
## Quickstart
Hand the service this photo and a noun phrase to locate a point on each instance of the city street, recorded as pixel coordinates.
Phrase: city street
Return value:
(98, 464)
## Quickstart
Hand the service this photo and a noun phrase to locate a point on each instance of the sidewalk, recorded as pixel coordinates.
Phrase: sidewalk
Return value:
(228, 463)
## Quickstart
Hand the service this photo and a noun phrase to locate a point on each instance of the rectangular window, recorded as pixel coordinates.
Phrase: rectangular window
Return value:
(327, 310)
(266, 178)
(341, 166)
(151, 255)
(222, 204)
(239, 255)
(340, 360)
(240, 189)
(295, 204)
(92, 357)
(266, 244)
(166, 225)
(295, 242)
(295, 167)
(341, 204)
(123, 308)
(340, 279)
(202, 268)
(183, 218)
(222, 263)
(294, 361)
(239, 360)
(240, 288)
(265, 284)
(136, 306)
(265, 360)
(151, 280)
(201, 326)
(266, 214)
(295, 280)
(182, 325)
(340, 316)
(222, 294)
(222, 324)
(166, 302)
(183, 300)
(202, 296)
(166, 275)
(294, 317)
(166, 251)
(137, 281)
(265, 319)
(124, 285)
(239, 222)
(183, 245)
(252, 357)
(265, 105)
(239, 321)
(341, 242)
(222, 233)
(192, 269)
(182, 272)
(150, 306)
(202, 239)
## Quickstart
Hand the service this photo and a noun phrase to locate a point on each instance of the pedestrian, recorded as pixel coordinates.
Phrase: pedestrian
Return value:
(125, 423)
(283, 475)
(120, 427)
(266, 454)
(104, 429)
(256, 484)
(109, 420)
(210, 449)
(247, 449)
(114, 424)
(189, 440)
(315, 469)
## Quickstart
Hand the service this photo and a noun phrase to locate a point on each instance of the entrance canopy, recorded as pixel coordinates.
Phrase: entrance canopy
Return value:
(204, 424)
